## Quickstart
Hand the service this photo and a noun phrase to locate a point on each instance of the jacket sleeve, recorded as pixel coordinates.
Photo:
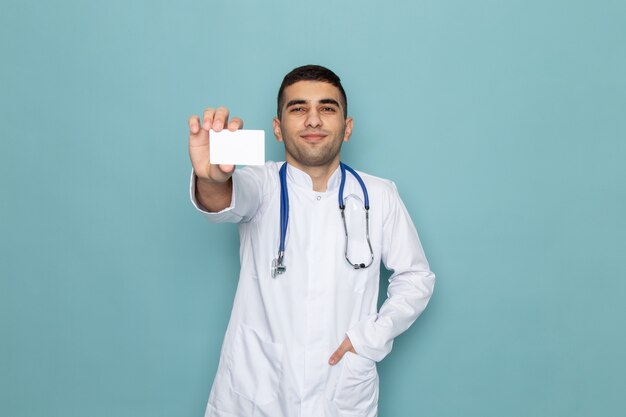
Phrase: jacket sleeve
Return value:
(246, 200)
(410, 285)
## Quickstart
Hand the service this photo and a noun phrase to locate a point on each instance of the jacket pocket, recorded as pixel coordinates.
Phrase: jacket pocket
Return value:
(256, 366)
(357, 388)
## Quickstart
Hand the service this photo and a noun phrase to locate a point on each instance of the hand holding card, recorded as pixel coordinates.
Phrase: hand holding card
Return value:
(241, 147)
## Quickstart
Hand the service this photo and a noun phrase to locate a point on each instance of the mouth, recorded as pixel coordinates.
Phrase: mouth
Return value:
(313, 136)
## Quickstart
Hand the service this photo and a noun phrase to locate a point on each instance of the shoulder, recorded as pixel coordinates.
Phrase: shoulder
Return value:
(259, 170)
(265, 174)
(378, 185)
(383, 194)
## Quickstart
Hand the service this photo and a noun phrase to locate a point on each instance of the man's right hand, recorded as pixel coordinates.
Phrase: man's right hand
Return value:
(216, 119)
(213, 188)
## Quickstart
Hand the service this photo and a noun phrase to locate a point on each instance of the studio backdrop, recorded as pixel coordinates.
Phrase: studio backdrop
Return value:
(501, 122)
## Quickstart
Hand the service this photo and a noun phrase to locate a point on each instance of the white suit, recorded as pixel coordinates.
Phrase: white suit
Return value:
(282, 331)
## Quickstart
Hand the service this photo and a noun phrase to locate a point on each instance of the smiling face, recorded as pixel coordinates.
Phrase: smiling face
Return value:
(312, 124)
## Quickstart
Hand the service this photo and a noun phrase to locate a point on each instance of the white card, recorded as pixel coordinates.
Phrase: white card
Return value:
(241, 147)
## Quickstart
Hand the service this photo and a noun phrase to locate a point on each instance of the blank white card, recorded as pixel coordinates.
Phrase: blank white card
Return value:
(241, 147)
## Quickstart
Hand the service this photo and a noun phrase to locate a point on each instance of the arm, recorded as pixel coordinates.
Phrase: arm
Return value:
(214, 197)
(214, 185)
(410, 287)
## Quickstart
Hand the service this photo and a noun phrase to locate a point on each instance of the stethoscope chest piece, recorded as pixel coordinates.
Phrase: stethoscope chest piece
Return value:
(278, 267)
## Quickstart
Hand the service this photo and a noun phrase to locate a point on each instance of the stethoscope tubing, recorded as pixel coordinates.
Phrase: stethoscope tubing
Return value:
(284, 209)
(345, 168)
(278, 266)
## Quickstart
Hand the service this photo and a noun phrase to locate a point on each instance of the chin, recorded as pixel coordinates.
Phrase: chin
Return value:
(317, 161)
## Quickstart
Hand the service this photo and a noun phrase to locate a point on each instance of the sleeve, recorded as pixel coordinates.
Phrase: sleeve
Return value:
(410, 285)
(246, 199)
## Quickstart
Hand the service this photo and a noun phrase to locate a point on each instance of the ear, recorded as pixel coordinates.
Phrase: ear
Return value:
(348, 130)
(277, 132)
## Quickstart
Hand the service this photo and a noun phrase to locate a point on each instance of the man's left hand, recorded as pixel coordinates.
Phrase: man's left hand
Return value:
(346, 346)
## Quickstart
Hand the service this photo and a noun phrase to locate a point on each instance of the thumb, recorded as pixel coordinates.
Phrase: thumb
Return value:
(220, 173)
(227, 168)
(345, 346)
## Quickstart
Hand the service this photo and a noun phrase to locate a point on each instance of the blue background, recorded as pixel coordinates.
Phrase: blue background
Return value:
(502, 123)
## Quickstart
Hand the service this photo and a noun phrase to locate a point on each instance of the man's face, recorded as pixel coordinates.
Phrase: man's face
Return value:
(312, 124)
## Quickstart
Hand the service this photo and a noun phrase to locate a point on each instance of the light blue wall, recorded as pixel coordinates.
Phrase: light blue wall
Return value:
(502, 123)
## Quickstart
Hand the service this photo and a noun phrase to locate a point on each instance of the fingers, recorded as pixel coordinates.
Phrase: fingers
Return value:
(207, 118)
(235, 124)
(215, 119)
(198, 138)
(346, 346)
(194, 124)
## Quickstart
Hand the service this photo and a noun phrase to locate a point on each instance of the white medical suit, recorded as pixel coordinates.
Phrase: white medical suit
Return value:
(283, 330)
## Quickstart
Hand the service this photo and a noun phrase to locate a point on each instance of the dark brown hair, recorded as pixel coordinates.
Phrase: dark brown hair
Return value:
(311, 73)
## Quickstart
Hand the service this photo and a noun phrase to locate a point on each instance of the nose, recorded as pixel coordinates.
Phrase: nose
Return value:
(313, 119)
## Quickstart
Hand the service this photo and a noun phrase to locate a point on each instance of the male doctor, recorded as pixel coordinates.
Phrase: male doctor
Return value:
(305, 342)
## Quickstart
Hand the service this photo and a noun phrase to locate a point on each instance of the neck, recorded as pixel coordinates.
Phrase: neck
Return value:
(319, 174)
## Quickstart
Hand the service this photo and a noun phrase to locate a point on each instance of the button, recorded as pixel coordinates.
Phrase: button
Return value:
(319, 197)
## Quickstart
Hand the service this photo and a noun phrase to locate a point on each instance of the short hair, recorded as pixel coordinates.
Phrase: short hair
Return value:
(311, 73)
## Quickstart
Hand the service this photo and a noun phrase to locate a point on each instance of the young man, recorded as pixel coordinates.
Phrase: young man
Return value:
(303, 341)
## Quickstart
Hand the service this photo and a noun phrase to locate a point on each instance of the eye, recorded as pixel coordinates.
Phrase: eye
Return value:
(328, 109)
(298, 109)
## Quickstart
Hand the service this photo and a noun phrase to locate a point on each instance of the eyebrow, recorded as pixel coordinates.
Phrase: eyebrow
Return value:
(329, 101)
(295, 102)
(322, 101)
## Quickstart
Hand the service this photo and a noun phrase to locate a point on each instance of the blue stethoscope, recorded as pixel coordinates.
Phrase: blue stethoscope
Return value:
(278, 265)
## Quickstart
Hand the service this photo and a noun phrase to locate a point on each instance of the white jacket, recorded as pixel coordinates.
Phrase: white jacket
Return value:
(282, 331)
